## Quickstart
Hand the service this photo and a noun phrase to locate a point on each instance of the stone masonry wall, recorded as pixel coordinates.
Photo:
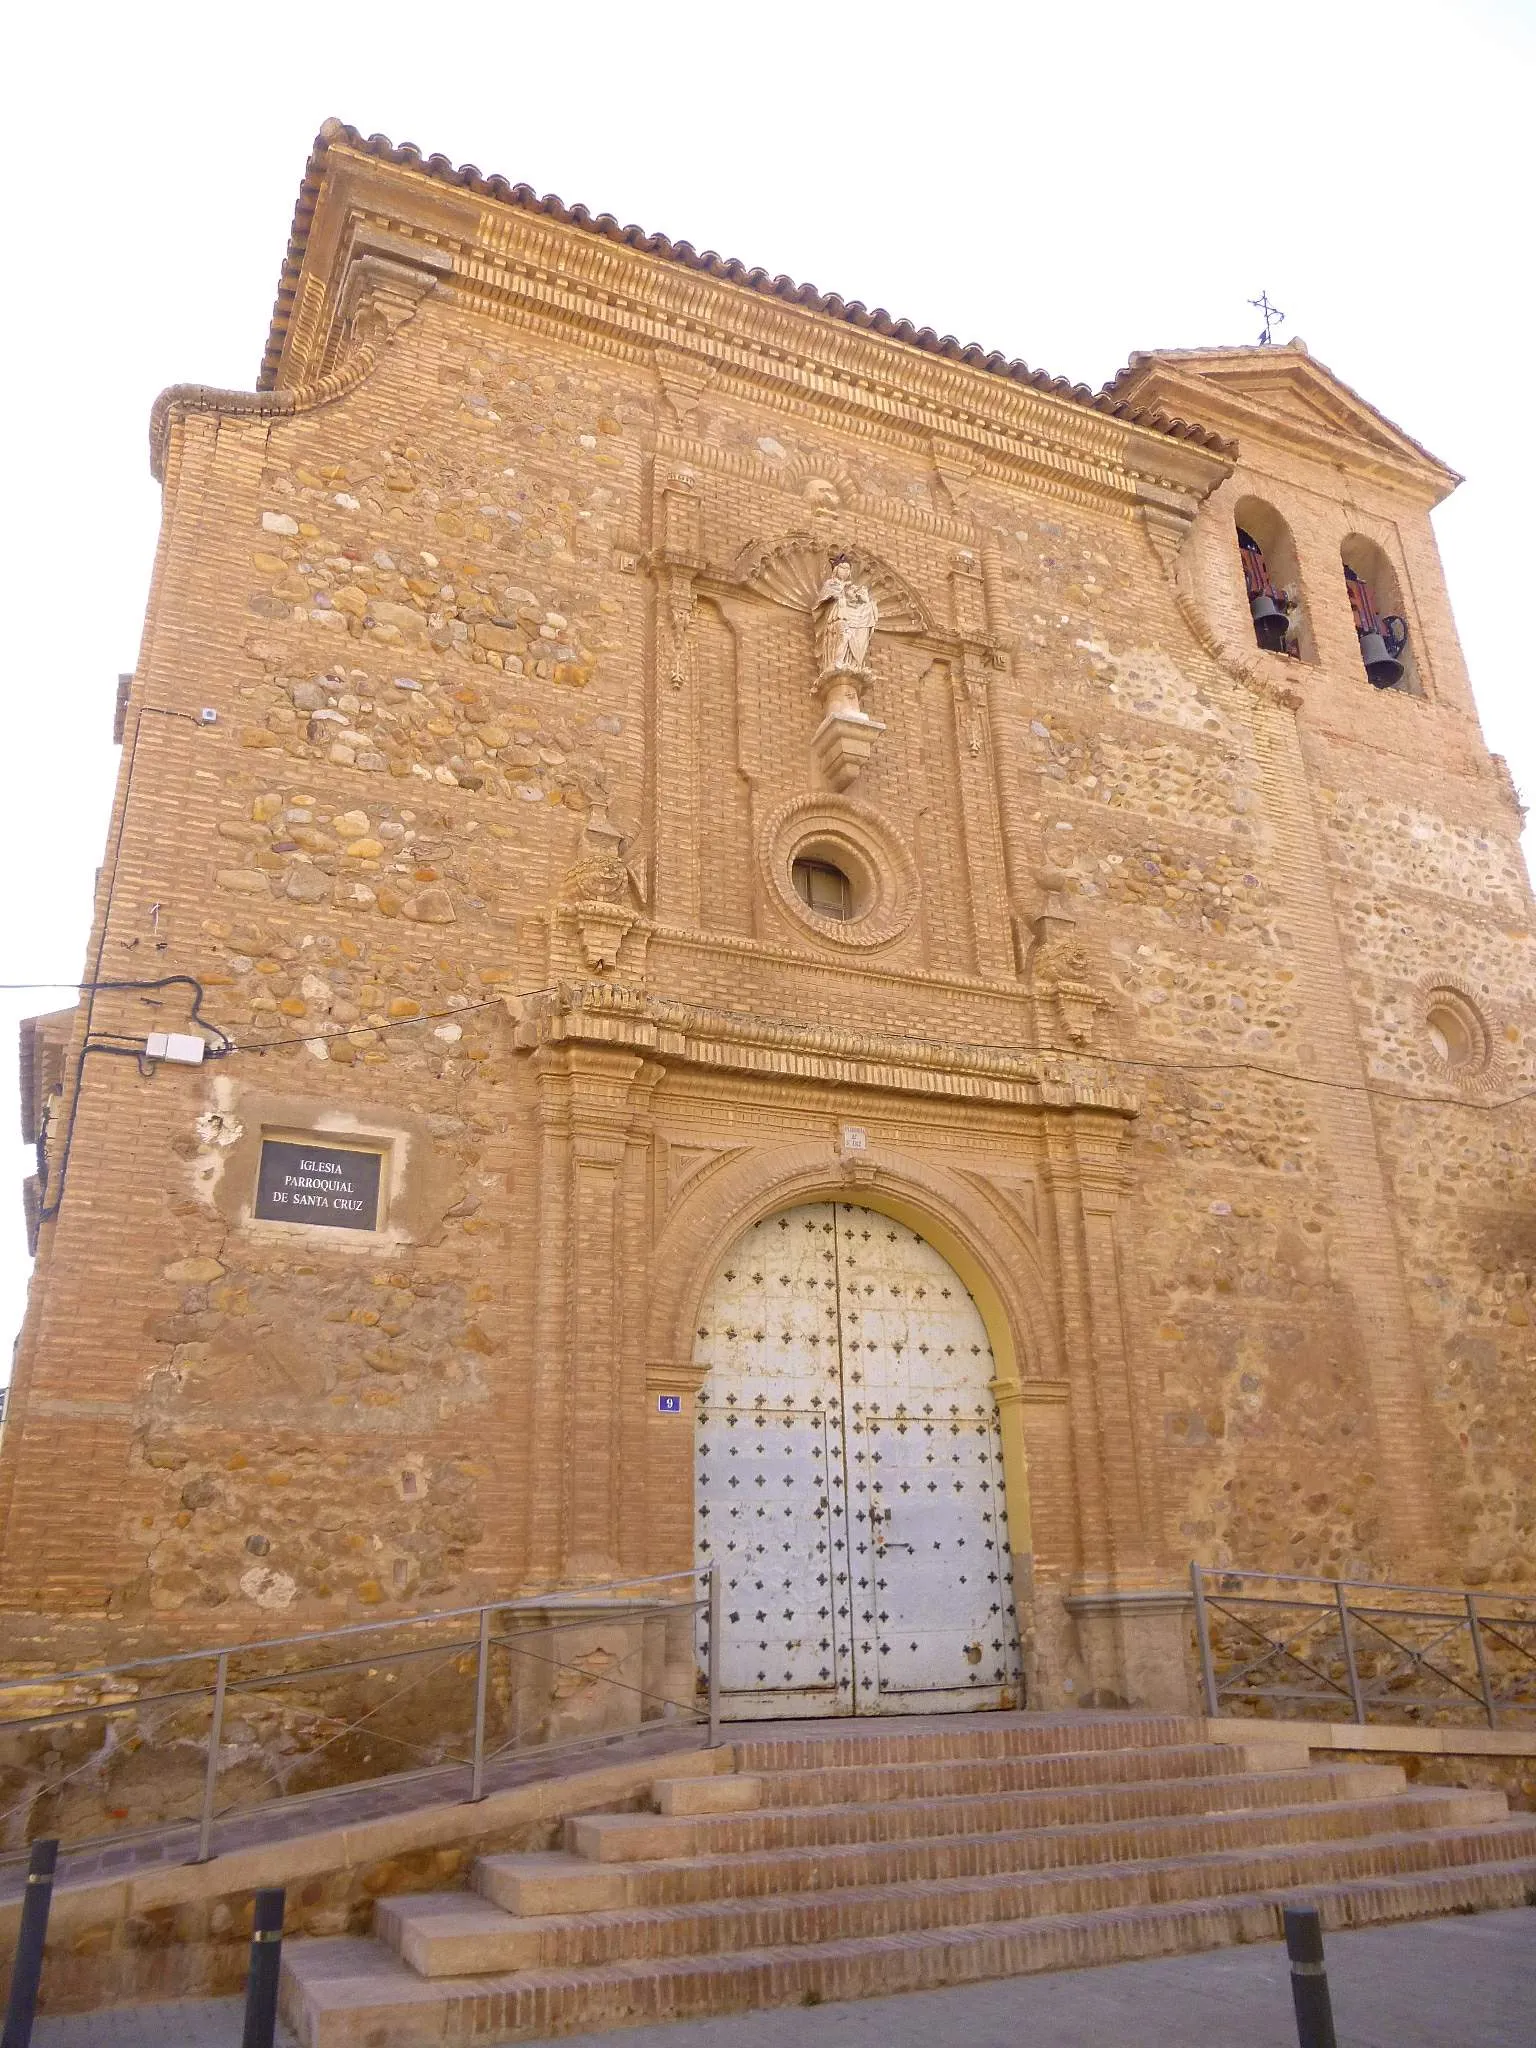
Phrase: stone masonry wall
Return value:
(507, 604)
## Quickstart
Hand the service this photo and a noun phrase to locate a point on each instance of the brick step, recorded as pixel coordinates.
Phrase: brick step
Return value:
(828, 1744)
(876, 1784)
(456, 1934)
(354, 1993)
(644, 1837)
(558, 1882)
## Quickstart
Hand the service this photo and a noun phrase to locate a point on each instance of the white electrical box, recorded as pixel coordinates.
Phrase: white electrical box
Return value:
(177, 1046)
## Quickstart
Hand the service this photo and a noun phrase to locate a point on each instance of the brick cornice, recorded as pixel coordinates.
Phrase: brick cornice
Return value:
(511, 252)
(627, 306)
(602, 1013)
(180, 400)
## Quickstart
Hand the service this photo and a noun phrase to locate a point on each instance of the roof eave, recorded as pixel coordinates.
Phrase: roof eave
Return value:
(1177, 376)
(337, 136)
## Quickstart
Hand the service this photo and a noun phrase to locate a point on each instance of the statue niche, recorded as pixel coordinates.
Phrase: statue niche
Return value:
(848, 598)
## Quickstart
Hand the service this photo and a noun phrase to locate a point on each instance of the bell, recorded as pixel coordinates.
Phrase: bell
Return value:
(1381, 665)
(1270, 624)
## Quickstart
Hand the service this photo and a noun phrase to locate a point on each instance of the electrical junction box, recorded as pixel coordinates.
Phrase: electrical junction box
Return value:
(177, 1046)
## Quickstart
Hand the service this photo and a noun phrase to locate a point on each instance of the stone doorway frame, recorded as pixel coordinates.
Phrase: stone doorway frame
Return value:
(1101, 1621)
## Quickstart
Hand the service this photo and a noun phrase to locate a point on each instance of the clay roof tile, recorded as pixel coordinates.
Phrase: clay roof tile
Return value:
(728, 269)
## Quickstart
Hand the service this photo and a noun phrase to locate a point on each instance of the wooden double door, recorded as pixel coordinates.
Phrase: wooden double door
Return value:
(848, 1478)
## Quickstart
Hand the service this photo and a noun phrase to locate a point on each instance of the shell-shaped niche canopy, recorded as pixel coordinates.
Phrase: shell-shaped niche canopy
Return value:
(795, 572)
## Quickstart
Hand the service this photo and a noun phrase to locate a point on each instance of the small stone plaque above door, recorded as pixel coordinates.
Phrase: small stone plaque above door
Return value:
(303, 1182)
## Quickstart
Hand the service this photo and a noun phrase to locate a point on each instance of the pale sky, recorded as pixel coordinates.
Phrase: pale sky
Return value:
(1064, 182)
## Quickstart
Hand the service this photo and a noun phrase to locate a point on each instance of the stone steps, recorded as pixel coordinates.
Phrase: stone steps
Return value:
(449, 1934)
(558, 1882)
(842, 1863)
(352, 1993)
(963, 1737)
(643, 1837)
(867, 1784)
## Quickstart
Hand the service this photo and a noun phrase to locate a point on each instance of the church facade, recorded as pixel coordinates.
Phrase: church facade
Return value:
(734, 934)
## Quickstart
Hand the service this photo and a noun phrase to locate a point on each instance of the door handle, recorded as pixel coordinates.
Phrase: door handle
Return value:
(878, 1519)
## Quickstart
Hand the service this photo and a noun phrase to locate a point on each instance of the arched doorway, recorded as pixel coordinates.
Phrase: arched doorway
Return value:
(849, 1476)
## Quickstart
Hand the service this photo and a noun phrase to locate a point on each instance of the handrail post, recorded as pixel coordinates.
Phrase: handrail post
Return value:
(1303, 1928)
(211, 1777)
(1203, 1638)
(1476, 1628)
(714, 1656)
(482, 1678)
(266, 1968)
(31, 1938)
(1341, 1600)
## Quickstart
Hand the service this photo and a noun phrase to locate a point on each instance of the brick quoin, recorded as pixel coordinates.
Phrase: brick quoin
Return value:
(501, 588)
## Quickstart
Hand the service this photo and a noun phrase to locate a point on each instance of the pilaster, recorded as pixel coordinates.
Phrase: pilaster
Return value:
(676, 559)
(586, 1261)
(981, 828)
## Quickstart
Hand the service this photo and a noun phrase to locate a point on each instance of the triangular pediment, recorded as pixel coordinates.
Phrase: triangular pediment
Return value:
(1282, 393)
(1296, 404)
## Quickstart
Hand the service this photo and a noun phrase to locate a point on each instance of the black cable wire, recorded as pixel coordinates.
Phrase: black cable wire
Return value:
(199, 998)
(1315, 1081)
(230, 1046)
(1114, 1062)
(169, 711)
(48, 1210)
(394, 1024)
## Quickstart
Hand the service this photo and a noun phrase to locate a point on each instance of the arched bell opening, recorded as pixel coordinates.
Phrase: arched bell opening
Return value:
(1376, 608)
(1272, 580)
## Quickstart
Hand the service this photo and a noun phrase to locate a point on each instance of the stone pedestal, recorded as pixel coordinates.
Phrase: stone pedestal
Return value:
(1135, 1648)
(842, 745)
(602, 927)
(845, 739)
(580, 1666)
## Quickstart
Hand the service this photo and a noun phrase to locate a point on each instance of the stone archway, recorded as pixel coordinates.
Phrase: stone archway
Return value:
(849, 1473)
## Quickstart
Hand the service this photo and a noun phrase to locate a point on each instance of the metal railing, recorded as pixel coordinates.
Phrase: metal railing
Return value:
(1283, 1644)
(186, 1742)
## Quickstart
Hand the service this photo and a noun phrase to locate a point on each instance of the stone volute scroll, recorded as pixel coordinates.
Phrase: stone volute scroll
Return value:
(598, 891)
(1068, 998)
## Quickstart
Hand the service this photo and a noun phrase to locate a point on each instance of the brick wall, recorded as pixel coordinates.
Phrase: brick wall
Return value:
(483, 859)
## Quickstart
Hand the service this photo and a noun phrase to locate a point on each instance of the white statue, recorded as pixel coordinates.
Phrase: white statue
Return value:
(846, 617)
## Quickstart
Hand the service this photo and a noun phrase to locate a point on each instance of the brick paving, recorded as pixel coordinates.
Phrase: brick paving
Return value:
(1465, 1982)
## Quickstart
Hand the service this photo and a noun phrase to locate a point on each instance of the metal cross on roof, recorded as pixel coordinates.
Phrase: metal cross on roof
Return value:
(1272, 317)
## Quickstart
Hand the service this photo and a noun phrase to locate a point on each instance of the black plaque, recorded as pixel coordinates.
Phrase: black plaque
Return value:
(304, 1183)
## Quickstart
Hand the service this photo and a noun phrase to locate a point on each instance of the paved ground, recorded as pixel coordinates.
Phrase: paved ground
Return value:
(1459, 1983)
